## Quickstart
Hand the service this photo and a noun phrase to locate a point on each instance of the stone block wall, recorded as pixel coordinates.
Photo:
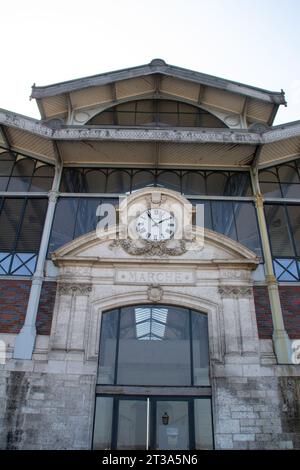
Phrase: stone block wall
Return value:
(45, 411)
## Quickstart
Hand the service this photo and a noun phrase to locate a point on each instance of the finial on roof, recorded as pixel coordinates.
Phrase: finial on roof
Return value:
(157, 62)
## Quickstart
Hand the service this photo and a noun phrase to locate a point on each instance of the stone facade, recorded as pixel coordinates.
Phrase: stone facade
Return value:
(48, 402)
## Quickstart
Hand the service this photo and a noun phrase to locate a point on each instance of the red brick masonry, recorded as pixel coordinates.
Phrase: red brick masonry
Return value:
(14, 296)
(290, 302)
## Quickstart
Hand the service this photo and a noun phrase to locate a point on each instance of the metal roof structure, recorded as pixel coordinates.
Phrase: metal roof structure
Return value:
(66, 108)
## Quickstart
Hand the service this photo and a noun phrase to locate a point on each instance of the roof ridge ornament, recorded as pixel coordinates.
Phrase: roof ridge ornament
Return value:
(158, 61)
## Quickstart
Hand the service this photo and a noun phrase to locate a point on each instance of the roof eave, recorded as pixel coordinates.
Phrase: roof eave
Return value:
(155, 67)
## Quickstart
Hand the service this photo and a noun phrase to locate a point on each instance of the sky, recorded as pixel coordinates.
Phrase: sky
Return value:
(256, 42)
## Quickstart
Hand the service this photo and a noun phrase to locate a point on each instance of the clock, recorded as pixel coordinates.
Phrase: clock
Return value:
(156, 225)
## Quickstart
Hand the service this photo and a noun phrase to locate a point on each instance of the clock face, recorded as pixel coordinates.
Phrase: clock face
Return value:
(155, 225)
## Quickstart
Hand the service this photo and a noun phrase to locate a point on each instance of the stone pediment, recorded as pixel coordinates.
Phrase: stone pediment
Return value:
(217, 249)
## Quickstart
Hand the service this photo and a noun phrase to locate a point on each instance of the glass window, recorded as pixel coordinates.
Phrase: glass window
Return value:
(223, 218)
(203, 424)
(294, 218)
(157, 339)
(22, 174)
(108, 344)
(157, 112)
(193, 183)
(169, 179)
(200, 349)
(281, 181)
(103, 423)
(142, 178)
(277, 223)
(10, 217)
(74, 217)
(118, 182)
(94, 181)
(238, 184)
(22, 222)
(216, 183)
(246, 226)
(63, 227)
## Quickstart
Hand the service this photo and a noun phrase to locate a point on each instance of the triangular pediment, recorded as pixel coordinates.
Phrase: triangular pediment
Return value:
(217, 250)
(157, 80)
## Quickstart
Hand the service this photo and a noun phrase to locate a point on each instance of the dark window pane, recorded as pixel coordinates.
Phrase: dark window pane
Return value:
(288, 174)
(32, 225)
(238, 184)
(64, 223)
(24, 167)
(270, 189)
(207, 212)
(19, 183)
(118, 182)
(278, 230)
(200, 349)
(290, 190)
(10, 219)
(5, 167)
(94, 181)
(44, 170)
(71, 180)
(169, 179)
(142, 179)
(108, 342)
(223, 218)
(3, 183)
(294, 217)
(193, 183)
(41, 184)
(268, 176)
(86, 219)
(155, 339)
(216, 184)
(246, 225)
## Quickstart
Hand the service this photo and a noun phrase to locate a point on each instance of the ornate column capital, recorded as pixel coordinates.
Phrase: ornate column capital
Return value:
(235, 291)
(74, 289)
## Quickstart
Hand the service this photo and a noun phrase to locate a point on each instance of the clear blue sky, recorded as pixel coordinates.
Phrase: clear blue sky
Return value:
(251, 41)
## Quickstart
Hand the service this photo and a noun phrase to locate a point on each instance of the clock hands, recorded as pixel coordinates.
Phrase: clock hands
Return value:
(163, 220)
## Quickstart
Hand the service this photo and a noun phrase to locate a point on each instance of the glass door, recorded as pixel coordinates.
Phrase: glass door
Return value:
(172, 424)
(152, 423)
(132, 425)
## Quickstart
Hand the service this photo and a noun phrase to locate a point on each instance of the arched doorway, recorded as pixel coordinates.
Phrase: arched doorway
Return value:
(153, 382)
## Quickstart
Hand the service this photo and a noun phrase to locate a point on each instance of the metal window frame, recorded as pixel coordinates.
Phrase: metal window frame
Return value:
(189, 311)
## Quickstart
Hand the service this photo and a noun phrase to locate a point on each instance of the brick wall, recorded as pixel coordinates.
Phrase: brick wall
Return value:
(290, 303)
(263, 312)
(46, 305)
(14, 296)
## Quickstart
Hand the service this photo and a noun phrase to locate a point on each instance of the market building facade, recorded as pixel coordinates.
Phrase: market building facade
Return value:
(144, 338)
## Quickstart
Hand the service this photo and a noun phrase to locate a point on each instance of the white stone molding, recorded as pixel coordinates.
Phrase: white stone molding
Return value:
(235, 291)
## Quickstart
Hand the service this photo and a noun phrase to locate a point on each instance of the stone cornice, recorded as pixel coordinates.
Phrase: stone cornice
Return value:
(224, 136)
